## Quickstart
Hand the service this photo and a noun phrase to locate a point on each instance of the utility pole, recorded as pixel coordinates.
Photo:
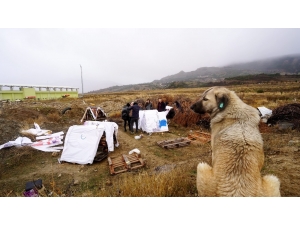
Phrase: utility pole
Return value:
(81, 82)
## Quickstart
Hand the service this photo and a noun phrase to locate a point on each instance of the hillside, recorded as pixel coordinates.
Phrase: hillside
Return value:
(205, 76)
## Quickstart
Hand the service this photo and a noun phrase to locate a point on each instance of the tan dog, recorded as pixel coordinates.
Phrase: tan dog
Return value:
(237, 148)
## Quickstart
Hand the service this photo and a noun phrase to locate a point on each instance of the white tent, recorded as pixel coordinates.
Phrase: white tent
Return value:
(153, 121)
(81, 144)
(82, 141)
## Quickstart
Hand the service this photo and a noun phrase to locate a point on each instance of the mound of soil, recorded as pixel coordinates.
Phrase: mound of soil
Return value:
(287, 113)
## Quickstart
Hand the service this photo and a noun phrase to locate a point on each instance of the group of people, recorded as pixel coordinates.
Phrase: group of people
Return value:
(161, 105)
(130, 113)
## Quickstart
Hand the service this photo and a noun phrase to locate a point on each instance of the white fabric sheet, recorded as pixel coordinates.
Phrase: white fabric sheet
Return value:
(20, 141)
(81, 143)
(265, 112)
(163, 124)
(109, 128)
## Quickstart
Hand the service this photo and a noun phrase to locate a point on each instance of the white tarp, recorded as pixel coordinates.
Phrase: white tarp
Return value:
(58, 134)
(37, 130)
(265, 112)
(168, 108)
(153, 121)
(46, 145)
(45, 139)
(81, 143)
(20, 141)
(110, 129)
(163, 124)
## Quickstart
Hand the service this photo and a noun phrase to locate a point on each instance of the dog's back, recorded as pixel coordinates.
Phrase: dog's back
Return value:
(237, 151)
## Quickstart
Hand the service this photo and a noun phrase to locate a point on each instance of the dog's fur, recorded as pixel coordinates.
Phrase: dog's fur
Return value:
(237, 148)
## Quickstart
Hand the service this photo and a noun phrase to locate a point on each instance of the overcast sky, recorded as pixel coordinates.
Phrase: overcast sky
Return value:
(130, 54)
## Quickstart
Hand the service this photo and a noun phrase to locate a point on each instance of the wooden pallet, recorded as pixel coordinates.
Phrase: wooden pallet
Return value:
(174, 143)
(125, 163)
(200, 136)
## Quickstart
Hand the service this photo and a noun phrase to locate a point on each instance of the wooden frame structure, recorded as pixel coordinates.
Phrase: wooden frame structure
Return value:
(174, 143)
(94, 114)
(125, 163)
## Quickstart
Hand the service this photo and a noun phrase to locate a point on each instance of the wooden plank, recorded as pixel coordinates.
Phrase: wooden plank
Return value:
(125, 163)
(174, 143)
(120, 171)
(109, 161)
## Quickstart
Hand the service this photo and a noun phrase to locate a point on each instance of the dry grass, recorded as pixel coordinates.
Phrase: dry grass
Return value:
(181, 181)
(54, 117)
(178, 182)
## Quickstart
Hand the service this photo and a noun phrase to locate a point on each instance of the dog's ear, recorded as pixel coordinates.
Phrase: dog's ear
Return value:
(222, 100)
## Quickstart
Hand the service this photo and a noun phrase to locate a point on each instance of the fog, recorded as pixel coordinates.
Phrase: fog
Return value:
(105, 57)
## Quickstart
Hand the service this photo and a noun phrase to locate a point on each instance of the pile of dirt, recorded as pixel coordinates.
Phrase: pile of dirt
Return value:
(287, 113)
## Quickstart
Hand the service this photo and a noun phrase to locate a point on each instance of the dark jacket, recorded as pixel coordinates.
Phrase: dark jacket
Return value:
(135, 110)
(171, 114)
(125, 113)
(148, 105)
(178, 106)
(161, 106)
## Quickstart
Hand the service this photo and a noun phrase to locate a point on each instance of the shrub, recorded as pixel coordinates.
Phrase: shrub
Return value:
(53, 117)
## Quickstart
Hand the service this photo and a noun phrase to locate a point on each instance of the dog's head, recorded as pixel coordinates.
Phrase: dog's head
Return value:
(212, 101)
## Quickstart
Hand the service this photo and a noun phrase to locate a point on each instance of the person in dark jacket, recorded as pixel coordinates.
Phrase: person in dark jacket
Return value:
(125, 116)
(161, 106)
(135, 116)
(178, 106)
(148, 105)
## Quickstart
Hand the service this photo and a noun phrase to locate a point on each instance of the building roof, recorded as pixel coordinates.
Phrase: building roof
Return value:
(34, 86)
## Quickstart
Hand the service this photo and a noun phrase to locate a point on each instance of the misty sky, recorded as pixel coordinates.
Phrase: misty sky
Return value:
(129, 56)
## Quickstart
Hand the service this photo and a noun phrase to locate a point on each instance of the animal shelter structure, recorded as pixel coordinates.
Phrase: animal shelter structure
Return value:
(85, 144)
(94, 114)
(12, 92)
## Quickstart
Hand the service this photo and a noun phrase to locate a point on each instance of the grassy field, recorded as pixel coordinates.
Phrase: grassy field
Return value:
(168, 173)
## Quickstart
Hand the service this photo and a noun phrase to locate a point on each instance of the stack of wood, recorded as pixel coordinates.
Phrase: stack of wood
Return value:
(174, 143)
(125, 163)
(102, 151)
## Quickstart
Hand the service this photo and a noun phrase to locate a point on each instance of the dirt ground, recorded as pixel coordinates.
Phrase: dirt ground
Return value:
(22, 164)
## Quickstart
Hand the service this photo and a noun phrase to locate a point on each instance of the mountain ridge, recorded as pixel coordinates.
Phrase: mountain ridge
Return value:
(283, 65)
